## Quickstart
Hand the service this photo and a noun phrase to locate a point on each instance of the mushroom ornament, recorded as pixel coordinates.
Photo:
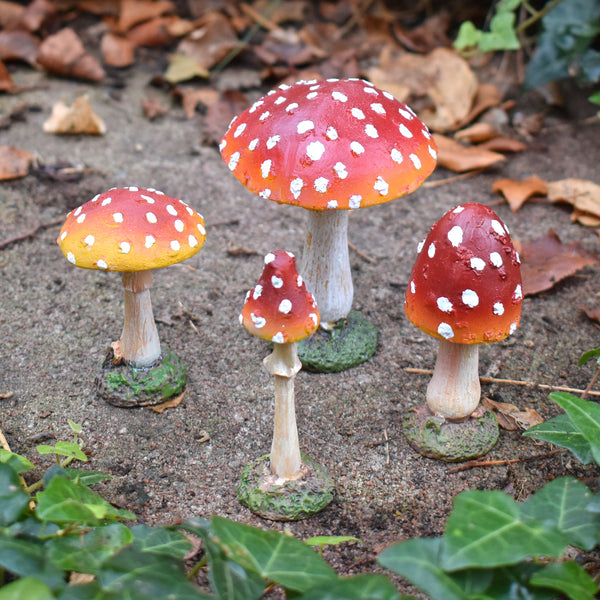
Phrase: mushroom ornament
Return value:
(465, 290)
(134, 230)
(285, 485)
(330, 147)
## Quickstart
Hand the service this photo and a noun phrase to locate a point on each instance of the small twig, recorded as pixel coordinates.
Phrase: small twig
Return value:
(387, 448)
(590, 385)
(533, 384)
(496, 463)
(368, 258)
(6, 396)
(29, 234)
(440, 182)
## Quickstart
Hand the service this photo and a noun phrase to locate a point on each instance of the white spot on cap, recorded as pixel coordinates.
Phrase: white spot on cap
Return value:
(296, 186)
(455, 235)
(442, 302)
(470, 298)
(150, 241)
(496, 259)
(151, 217)
(290, 107)
(445, 331)
(233, 161)
(81, 218)
(125, 247)
(381, 185)
(272, 141)
(420, 246)
(189, 210)
(518, 293)
(259, 322)
(371, 131)
(305, 126)
(340, 169)
(264, 116)
(321, 184)
(311, 95)
(432, 152)
(118, 217)
(517, 257)
(285, 306)
(222, 144)
(269, 258)
(171, 210)
(277, 338)
(148, 199)
(257, 291)
(339, 96)
(477, 263)
(356, 148)
(370, 90)
(266, 193)
(457, 210)
(239, 130)
(63, 235)
(71, 258)
(106, 201)
(78, 211)
(256, 105)
(497, 227)
(265, 167)
(252, 145)
(332, 204)
(415, 160)
(388, 95)
(405, 113)
(314, 318)
(354, 201)
(498, 308)
(299, 280)
(396, 155)
(89, 240)
(178, 225)
(513, 328)
(175, 245)
(192, 241)
(431, 250)
(377, 107)
(201, 229)
(280, 100)
(315, 150)
(133, 188)
(405, 131)
(276, 282)
(357, 113)
(101, 264)
(332, 133)
(95, 198)
(412, 287)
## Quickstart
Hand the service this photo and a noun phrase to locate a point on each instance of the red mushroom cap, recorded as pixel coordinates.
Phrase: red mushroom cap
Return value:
(334, 144)
(131, 229)
(279, 308)
(465, 286)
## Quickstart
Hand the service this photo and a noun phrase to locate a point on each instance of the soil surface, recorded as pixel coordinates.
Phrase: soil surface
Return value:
(56, 322)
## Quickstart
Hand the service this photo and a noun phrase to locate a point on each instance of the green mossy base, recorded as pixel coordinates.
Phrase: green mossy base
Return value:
(452, 442)
(352, 341)
(128, 387)
(290, 500)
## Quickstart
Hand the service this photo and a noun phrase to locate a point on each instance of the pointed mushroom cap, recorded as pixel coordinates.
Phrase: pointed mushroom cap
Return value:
(325, 145)
(465, 285)
(131, 229)
(279, 308)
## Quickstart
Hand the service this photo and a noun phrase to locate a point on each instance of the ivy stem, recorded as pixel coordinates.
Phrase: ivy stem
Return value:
(536, 16)
(196, 568)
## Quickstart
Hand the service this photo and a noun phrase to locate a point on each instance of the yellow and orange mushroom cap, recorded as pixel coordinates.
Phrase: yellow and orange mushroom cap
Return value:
(326, 145)
(465, 285)
(131, 229)
(279, 308)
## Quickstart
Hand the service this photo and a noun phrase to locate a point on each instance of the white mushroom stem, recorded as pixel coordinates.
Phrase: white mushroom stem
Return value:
(139, 341)
(326, 264)
(283, 364)
(454, 390)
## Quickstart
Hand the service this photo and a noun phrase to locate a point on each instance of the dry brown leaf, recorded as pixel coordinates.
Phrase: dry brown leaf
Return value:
(190, 98)
(546, 261)
(459, 158)
(478, 132)
(138, 11)
(503, 144)
(76, 119)
(36, 14)
(585, 218)
(18, 45)
(10, 14)
(64, 54)
(153, 108)
(14, 162)
(159, 31)
(6, 81)
(219, 115)
(117, 51)
(487, 95)
(171, 403)
(518, 192)
(583, 195)
(511, 417)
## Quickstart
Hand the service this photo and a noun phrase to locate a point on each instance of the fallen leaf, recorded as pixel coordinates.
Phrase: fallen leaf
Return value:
(36, 13)
(459, 158)
(592, 313)
(64, 54)
(6, 81)
(503, 144)
(171, 403)
(159, 31)
(17, 46)
(518, 192)
(138, 11)
(190, 98)
(585, 218)
(76, 119)
(510, 417)
(425, 37)
(153, 108)
(583, 195)
(478, 132)
(183, 68)
(546, 261)
(117, 51)
(14, 162)
(487, 96)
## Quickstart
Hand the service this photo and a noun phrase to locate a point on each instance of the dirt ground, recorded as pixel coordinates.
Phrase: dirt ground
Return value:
(56, 322)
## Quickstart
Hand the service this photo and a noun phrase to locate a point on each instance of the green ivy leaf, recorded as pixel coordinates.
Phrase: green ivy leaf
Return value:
(86, 553)
(486, 529)
(568, 578)
(17, 462)
(502, 34)
(64, 501)
(160, 540)
(560, 431)
(586, 356)
(27, 588)
(330, 540)
(67, 449)
(418, 560)
(272, 555)
(359, 587)
(468, 36)
(562, 504)
(13, 499)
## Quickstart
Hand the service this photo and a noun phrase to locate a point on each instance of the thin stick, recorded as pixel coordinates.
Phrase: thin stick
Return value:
(29, 234)
(496, 463)
(590, 385)
(440, 182)
(541, 386)
(373, 261)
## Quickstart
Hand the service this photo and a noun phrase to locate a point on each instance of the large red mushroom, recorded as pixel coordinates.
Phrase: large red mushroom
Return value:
(329, 147)
(465, 290)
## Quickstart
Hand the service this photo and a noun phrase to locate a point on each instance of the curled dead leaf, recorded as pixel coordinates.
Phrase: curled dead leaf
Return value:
(19, 45)
(79, 118)
(152, 107)
(171, 403)
(583, 195)
(503, 144)
(478, 132)
(138, 11)
(518, 192)
(459, 158)
(117, 51)
(14, 162)
(510, 417)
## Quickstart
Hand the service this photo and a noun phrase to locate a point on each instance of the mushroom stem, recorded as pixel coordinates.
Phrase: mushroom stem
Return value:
(454, 390)
(283, 364)
(139, 341)
(326, 264)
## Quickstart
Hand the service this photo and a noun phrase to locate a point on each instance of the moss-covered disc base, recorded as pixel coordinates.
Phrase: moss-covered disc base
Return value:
(126, 386)
(352, 341)
(452, 442)
(289, 500)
